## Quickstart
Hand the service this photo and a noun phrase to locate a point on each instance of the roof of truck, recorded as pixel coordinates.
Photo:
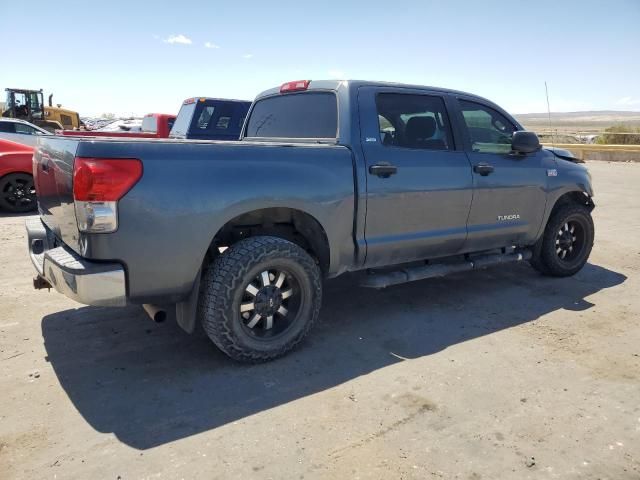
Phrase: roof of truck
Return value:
(335, 84)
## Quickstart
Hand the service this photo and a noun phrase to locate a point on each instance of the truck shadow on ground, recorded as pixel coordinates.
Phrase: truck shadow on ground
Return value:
(8, 214)
(152, 384)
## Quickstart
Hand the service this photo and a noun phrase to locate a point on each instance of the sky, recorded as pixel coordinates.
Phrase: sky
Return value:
(135, 57)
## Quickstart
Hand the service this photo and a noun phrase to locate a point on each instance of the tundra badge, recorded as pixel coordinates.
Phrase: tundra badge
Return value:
(513, 216)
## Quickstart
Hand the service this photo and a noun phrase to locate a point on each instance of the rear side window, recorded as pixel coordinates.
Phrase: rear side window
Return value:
(295, 115)
(489, 130)
(183, 120)
(149, 124)
(413, 121)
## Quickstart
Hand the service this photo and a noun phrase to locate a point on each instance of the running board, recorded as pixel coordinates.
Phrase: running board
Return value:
(411, 274)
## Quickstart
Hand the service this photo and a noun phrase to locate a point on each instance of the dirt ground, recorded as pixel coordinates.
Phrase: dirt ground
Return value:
(496, 374)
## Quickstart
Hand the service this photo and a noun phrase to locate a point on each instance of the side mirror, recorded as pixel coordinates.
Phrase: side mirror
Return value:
(525, 142)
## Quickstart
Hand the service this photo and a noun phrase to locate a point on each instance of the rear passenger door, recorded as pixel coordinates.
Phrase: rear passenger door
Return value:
(509, 190)
(419, 186)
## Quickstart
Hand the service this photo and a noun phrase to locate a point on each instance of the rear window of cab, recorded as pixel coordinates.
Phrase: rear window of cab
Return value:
(295, 115)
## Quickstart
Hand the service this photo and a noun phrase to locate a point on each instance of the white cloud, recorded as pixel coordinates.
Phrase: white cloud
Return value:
(181, 39)
(211, 45)
(336, 74)
(247, 55)
(628, 101)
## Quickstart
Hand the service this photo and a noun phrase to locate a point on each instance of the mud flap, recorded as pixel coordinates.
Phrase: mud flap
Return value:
(187, 310)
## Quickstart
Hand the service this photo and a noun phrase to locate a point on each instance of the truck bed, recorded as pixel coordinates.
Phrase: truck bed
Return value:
(188, 191)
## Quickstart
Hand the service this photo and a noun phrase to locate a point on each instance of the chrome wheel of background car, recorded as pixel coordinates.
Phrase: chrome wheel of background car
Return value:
(18, 193)
(570, 240)
(270, 303)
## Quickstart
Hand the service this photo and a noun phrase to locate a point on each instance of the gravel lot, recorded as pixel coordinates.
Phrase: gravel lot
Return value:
(495, 374)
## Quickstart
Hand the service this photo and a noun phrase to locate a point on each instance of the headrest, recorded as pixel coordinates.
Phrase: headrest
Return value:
(420, 128)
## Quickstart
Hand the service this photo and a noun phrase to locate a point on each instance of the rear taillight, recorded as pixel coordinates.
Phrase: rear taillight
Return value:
(296, 86)
(98, 184)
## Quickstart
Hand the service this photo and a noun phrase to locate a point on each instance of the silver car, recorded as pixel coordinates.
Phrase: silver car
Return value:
(20, 131)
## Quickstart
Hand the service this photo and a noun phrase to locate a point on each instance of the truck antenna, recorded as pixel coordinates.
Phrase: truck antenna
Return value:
(546, 90)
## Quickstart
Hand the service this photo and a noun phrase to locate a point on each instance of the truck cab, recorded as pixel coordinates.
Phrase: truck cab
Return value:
(206, 118)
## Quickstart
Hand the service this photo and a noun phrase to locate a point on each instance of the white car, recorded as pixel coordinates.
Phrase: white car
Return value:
(20, 131)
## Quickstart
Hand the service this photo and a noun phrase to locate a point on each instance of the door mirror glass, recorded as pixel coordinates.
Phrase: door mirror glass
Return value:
(525, 142)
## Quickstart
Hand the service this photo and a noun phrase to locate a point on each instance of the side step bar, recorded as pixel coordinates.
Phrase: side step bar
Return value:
(411, 274)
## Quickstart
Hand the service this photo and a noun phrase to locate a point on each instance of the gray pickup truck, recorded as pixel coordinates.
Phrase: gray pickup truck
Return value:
(400, 182)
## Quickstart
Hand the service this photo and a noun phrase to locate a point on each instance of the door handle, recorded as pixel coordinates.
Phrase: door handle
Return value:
(483, 169)
(44, 162)
(383, 170)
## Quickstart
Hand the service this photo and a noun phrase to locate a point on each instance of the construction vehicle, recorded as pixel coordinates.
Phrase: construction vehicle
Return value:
(29, 105)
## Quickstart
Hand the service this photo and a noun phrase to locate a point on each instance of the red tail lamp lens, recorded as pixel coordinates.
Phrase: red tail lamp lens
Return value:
(104, 179)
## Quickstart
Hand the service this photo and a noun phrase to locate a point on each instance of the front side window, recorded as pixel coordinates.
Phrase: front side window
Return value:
(25, 129)
(489, 130)
(413, 121)
(35, 104)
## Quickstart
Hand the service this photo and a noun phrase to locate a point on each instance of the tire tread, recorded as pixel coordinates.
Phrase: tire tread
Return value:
(227, 272)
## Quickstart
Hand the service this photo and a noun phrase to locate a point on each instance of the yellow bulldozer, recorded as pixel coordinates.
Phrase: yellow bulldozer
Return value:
(29, 105)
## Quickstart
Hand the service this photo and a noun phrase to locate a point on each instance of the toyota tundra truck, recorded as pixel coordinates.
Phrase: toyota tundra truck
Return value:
(399, 182)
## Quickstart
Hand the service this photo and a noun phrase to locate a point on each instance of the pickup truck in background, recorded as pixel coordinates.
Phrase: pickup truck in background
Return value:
(401, 182)
(210, 119)
(154, 125)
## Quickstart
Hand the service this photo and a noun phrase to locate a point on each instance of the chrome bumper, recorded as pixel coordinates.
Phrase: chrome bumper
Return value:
(91, 283)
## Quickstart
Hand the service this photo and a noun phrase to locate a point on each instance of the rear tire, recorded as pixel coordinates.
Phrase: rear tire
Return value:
(260, 298)
(566, 243)
(18, 193)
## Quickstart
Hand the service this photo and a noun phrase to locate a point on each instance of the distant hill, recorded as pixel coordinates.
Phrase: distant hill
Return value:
(588, 121)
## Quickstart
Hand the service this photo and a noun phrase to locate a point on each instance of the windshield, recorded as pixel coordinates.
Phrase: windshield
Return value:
(300, 115)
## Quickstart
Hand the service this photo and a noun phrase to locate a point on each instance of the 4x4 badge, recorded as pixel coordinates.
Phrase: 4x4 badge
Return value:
(552, 172)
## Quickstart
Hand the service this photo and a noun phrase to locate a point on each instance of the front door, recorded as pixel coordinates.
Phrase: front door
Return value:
(509, 190)
(419, 186)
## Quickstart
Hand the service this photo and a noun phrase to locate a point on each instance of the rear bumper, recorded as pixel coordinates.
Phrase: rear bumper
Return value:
(91, 283)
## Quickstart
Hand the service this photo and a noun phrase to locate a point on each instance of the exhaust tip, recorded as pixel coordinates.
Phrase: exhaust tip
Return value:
(156, 313)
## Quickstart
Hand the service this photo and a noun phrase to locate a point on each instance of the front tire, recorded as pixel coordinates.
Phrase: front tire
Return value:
(566, 243)
(17, 193)
(260, 298)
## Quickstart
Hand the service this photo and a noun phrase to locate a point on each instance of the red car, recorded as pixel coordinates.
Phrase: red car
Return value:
(17, 191)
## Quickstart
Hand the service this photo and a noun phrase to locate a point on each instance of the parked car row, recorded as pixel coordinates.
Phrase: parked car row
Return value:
(400, 182)
(199, 118)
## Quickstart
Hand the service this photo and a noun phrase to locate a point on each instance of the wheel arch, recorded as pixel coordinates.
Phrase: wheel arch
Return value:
(292, 224)
(578, 197)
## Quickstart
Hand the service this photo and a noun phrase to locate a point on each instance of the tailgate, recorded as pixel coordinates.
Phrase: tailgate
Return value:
(53, 175)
